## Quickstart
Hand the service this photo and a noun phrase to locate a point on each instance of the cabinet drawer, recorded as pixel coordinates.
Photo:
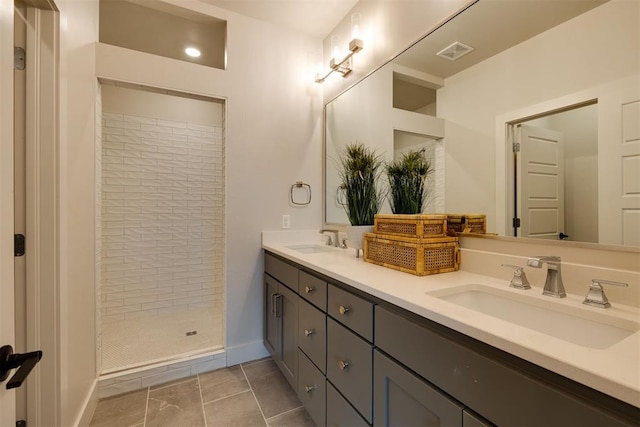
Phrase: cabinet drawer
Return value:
(313, 290)
(470, 419)
(401, 398)
(312, 334)
(352, 311)
(281, 270)
(482, 379)
(349, 366)
(311, 389)
(340, 413)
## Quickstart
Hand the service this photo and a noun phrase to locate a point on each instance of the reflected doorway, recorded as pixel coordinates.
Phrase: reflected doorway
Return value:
(555, 174)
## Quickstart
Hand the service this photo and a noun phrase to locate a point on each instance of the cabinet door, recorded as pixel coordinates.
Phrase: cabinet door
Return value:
(288, 309)
(272, 321)
(400, 398)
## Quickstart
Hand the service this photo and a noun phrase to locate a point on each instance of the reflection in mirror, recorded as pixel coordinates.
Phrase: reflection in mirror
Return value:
(552, 153)
(530, 59)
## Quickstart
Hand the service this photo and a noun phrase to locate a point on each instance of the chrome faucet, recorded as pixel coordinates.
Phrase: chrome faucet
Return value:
(596, 296)
(553, 286)
(335, 241)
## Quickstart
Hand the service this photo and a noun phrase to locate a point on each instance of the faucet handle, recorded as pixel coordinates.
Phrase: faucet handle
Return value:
(596, 296)
(519, 279)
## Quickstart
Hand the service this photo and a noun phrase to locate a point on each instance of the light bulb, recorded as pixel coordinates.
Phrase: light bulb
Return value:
(192, 52)
(355, 26)
(336, 52)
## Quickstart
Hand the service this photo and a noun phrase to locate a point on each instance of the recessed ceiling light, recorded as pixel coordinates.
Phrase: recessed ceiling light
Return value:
(192, 52)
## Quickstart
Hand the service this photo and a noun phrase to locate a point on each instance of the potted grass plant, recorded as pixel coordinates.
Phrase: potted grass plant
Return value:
(407, 182)
(360, 170)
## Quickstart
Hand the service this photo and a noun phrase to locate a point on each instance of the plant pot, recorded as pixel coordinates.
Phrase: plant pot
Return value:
(355, 237)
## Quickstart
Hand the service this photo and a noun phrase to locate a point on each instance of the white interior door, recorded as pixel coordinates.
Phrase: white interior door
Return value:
(629, 200)
(540, 189)
(619, 164)
(7, 326)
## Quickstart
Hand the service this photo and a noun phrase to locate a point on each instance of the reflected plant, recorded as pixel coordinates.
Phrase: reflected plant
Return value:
(407, 182)
(360, 169)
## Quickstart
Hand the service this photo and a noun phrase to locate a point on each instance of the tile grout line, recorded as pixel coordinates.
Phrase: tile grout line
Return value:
(204, 414)
(286, 412)
(146, 407)
(254, 395)
(225, 397)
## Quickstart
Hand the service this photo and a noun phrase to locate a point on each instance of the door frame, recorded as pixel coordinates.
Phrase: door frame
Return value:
(7, 323)
(42, 141)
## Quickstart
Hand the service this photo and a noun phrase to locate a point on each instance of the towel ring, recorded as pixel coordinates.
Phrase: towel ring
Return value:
(307, 187)
(340, 195)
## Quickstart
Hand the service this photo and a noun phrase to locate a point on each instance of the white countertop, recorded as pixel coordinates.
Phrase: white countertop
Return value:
(614, 370)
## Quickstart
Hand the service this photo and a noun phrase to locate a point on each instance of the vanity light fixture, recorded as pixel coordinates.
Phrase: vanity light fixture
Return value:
(344, 66)
(192, 52)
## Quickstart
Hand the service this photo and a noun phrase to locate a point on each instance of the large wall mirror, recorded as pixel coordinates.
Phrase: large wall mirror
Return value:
(530, 114)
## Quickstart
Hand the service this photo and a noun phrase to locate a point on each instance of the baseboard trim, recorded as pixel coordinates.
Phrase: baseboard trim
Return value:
(88, 407)
(246, 353)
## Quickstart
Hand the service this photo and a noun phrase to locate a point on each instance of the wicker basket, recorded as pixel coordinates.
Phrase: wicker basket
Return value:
(417, 226)
(412, 255)
(467, 223)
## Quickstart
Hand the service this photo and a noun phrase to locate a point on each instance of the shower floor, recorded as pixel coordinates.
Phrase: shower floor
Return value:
(146, 340)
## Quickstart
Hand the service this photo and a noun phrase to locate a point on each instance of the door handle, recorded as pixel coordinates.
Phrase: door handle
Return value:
(277, 305)
(23, 361)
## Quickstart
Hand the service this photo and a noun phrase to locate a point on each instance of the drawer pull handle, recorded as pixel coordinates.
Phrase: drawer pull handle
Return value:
(308, 388)
(308, 332)
(343, 365)
(343, 310)
(309, 289)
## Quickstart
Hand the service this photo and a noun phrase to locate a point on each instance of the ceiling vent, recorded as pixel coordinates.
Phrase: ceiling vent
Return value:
(455, 51)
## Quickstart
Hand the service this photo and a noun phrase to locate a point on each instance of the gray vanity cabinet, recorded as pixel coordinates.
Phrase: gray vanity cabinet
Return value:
(502, 388)
(281, 316)
(354, 363)
(404, 399)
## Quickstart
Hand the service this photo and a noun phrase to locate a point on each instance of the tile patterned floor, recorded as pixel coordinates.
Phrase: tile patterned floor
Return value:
(250, 394)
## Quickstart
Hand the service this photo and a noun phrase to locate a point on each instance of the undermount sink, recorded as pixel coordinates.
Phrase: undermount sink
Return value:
(578, 325)
(311, 248)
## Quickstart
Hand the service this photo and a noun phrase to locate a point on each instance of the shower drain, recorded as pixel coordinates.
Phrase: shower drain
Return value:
(190, 333)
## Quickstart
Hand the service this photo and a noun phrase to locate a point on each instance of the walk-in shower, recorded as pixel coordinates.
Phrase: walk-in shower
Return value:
(160, 226)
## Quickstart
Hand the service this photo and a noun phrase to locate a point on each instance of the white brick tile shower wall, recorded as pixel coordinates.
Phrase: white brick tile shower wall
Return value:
(162, 188)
